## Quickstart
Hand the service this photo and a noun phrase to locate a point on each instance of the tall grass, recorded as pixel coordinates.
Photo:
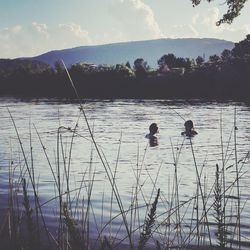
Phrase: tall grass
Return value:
(172, 227)
(149, 223)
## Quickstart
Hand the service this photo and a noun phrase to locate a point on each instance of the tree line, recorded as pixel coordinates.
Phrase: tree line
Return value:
(173, 77)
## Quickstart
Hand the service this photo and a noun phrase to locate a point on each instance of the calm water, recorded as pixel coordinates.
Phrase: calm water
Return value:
(119, 129)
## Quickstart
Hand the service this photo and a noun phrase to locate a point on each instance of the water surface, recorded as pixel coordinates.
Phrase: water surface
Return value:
(119, 128)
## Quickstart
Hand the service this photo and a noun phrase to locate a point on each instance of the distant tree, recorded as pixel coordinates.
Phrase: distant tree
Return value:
(242, 48)
(180, 62)
(84, 68)
(168, 60)
(123, 70)
(226, 55)
(214, 58)
(189, 63)
(140, 67)
(234, 8)
(199, 60)
(59, 68)
(139, 62)
(76, 68)
(128, 65)
(24, 67)
(105, 68)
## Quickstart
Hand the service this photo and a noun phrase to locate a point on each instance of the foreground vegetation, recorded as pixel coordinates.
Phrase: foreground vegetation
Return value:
(210, 218)
(225, 76)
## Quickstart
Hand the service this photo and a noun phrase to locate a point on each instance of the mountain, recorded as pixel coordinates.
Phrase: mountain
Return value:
(150, 51)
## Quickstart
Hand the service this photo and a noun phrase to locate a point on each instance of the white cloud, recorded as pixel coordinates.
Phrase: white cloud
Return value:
(182, 31)
(195, 19)
(232, 34)
(109, 36)
(205, 25)
(9, 41)
(41, 28)
(38, 38)
(207, 20)
(8, 32)
(16, 29)
(76, 30)
(137, 20)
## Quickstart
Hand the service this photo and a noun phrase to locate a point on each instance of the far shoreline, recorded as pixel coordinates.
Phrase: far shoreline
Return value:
(185, 87)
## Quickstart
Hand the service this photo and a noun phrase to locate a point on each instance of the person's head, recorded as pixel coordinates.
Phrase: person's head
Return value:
(188, 125)
(153, 128)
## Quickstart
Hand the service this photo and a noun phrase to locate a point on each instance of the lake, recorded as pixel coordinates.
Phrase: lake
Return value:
(120, 173)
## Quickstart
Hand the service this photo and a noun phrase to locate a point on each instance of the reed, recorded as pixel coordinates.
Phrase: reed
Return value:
(32, 240)
(237, 178)
(75, 240)
(76, 235)
(30, 178)
(106, 167)
(219, 211)
(200, 190)
(149, 223)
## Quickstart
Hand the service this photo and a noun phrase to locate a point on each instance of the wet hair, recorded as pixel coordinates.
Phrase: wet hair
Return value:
(153, 128)
(189, 124)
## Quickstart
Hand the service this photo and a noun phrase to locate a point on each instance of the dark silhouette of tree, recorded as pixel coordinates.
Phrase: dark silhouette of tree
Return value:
(226, 55)
(59, 68)
(199, 60)
(242, 48)
(234, 8)
(168, 60)
(140, 67)
(24, 65)
(171, 61)
(180, 62)
(189, 63)
(128, 65)
(224, 76)
(123, 70)
(86, 68)
(214, 58)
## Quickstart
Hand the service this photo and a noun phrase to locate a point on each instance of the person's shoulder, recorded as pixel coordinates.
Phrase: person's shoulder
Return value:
(191, 134)
(150, 136)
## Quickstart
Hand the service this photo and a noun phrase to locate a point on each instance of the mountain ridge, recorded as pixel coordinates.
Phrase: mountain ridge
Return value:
(149, 50)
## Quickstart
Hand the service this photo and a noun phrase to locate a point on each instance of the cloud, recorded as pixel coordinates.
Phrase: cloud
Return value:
(205, 25)
(9, 41)
(182, 31)
(208, 20)
(71, 35)
(41, 28)
(76, 30)
(37, 38)
(136, 20)
(109, 36)
(232, 34)
(15, 29)
(8, 32)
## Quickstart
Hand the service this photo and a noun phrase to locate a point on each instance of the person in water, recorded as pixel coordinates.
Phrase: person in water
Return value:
(153, 140)
(189, 129)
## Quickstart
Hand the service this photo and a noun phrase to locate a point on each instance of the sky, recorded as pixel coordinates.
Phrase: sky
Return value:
(33, 27)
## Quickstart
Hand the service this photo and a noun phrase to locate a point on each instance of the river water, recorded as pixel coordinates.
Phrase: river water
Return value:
(123, 159)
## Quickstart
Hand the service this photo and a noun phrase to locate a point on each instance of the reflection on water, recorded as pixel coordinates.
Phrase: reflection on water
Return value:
(119, 128)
